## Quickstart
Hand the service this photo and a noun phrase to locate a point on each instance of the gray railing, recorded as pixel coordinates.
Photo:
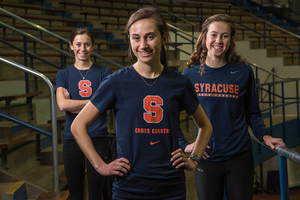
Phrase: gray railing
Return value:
(53, 115)
(283, 154)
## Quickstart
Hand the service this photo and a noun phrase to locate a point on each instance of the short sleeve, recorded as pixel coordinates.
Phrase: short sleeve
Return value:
(61, 79)
(190, 99)
(104, 97)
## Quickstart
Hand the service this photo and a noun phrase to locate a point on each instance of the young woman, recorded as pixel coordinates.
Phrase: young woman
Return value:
(226, 89)
(147, 98)
(75, 86)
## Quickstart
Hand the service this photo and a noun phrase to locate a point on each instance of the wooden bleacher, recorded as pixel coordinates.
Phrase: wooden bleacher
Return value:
(48, 18)
(98, 7)
(59, 195)
(58, 29)
(32, 7)
(15, 138)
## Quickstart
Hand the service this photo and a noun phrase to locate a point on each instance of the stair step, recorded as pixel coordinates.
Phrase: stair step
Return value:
(13, 191)
(60, 195)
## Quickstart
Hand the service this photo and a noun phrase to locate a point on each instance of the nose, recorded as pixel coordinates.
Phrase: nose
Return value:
(144, 44)
(83, 47)
(219, 39)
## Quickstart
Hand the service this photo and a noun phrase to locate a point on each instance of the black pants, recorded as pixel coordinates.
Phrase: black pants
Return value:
(74, 163)
(235, 175)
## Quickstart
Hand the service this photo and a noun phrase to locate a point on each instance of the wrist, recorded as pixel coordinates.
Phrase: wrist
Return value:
(195, 158)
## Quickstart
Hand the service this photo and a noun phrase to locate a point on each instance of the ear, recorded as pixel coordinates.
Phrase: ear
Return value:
(164, 40)
(71, 46)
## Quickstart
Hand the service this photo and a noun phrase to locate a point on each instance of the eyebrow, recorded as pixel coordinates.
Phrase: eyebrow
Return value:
(150, 33)
(218, 32)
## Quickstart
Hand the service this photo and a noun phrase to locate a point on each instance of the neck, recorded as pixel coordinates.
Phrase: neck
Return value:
(215, 63)
(148, 71)
(83, 65)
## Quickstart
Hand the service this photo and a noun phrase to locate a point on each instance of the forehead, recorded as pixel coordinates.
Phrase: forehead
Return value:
(221, 27)
(143, 26)
(83, 37)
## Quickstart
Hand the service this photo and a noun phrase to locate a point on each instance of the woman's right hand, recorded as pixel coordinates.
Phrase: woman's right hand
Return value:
(119, 167)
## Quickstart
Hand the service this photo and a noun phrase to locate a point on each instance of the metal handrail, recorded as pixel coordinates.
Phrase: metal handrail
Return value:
(35, 39)
(286, 152)
(53, 115)
(283, 154)
(182, 31)
(262, 69)
(57, 36)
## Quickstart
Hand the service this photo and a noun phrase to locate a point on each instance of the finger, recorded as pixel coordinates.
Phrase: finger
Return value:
(205, 155)
(182, 164)
(179, 162)
(176, 151)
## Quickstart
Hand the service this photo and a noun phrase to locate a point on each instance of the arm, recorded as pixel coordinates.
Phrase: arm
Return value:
(204, 133)
(79, 126)
(255, 121)
(66, 104)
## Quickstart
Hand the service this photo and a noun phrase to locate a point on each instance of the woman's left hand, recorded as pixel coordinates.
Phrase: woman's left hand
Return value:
(66, 93)
(179, 159)
(271, 142)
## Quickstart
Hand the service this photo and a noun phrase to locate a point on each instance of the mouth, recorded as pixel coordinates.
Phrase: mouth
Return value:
(217, 47)
(145, 53)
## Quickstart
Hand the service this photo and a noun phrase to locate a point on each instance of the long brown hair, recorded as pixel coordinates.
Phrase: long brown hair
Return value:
(200, 53)
(146, 13)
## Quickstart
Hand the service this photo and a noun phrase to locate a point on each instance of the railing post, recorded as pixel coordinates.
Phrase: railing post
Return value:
(26, 64)
(297, 97)
(299, 50)
(283, 175)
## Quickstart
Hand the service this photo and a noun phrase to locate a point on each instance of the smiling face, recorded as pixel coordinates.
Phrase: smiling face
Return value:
(82, 47)
(146, 41)
(218, 40)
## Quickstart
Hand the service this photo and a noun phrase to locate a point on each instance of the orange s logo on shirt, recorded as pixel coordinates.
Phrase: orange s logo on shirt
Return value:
(152, 104)
(85, 88)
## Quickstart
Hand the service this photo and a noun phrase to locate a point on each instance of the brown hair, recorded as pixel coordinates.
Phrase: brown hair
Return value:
(146, 13)
(81, 31)
(200, 53)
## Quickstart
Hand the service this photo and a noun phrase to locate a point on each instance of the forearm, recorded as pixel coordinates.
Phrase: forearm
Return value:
(202, 139)
(71, 105)
(85, 143)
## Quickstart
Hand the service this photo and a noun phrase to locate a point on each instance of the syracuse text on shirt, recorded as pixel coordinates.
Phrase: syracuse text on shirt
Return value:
(217, 90)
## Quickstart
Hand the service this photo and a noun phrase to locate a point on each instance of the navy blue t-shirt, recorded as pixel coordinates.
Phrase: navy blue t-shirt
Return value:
(83, 89)
(147, 125)
(227, 95)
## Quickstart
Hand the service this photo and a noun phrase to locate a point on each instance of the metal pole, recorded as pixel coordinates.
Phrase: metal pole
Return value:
(53, 115)
(283, 175)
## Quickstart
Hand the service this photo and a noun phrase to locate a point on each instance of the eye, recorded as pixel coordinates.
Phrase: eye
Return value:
(225, 36)
(88, 45)
(150, 37)
(78, 44)
(135, 38)
(213, 35)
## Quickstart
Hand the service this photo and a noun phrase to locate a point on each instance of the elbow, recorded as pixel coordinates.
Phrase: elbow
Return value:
(62, 106)
(73, 129)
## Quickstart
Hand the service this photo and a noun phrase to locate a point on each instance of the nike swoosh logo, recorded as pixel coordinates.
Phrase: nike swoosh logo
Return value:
(153, 143)
(234, 72)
